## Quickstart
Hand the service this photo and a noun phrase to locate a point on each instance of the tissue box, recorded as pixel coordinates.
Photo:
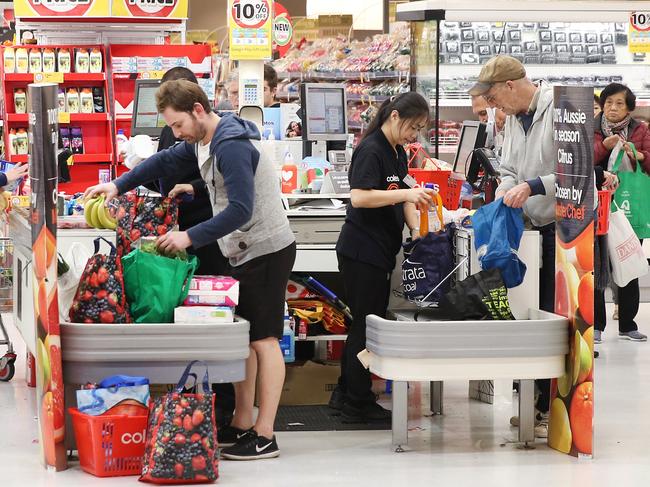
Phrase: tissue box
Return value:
(213, 291)
(204, 314)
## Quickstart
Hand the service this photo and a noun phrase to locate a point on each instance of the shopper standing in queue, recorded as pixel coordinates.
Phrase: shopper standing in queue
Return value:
(527, 172)
(252, 229)
(615, 125)
(380, 203)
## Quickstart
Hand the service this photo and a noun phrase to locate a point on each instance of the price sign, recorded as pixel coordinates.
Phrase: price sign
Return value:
(251, 29)
(48, 78)
(251, 14)
(639, 32)
(64, 117)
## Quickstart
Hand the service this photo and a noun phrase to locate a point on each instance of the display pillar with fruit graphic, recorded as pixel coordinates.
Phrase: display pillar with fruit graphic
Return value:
(43, 126)
(572, 404)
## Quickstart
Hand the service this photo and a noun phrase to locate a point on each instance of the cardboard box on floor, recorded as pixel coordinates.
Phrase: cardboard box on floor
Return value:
(309, 384)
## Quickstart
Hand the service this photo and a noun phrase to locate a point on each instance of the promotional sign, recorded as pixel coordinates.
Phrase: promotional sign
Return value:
(572, 396)
(250, 25)
(43, 128)
(282, 30)
(639, 32)
(160, 9)
(61, 8)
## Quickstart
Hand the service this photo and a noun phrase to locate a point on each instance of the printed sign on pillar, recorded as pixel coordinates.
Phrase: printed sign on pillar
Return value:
(572, 395)
(61, 8)
(250, 26)
(43, 128)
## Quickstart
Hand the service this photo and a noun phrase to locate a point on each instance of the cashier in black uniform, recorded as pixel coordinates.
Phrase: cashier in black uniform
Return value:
(381, 202)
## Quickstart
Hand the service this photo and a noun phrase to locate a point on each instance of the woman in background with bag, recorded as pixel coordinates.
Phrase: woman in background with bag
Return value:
(615, 129)
(381, 202)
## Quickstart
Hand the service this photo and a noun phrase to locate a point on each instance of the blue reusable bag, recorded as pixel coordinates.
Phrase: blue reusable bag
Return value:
(497, 235)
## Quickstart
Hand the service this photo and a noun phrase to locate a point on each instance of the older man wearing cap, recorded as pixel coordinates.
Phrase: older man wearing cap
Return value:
(527, 166)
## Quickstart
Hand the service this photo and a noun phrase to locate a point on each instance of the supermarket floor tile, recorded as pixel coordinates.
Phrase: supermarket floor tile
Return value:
(468, 445)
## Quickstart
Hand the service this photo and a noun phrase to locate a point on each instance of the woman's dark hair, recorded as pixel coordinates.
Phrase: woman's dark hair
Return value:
(615, 88)
(410, 106)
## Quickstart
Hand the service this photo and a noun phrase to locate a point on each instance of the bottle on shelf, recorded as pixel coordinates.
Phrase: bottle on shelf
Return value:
(288, 343)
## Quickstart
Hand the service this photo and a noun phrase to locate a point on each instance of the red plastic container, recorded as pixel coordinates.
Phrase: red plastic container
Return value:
(110, 445)
(448, 184)
(604, 203)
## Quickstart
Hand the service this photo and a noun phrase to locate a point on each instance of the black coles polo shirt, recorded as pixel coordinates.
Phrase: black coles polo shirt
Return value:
(374, 235)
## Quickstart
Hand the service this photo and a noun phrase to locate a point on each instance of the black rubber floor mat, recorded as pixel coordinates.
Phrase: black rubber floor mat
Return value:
(318, 418)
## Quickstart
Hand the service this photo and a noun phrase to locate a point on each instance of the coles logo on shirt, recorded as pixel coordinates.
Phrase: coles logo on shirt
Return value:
(392, 183)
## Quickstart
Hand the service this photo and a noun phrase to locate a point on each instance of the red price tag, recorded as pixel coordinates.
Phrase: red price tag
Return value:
(250, 14)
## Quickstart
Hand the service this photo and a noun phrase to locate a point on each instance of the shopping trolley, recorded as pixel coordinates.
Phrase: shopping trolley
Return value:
(7, 367)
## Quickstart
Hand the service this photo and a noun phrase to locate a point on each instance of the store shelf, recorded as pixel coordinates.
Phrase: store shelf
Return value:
(368, 98)
(356, 125)
(74, 117)
(17, 158)
(344, 75)
(452, 102)
(67, 77)
(87, 158)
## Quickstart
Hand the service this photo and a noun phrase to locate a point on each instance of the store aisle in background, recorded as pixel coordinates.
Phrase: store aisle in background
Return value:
(466, 446)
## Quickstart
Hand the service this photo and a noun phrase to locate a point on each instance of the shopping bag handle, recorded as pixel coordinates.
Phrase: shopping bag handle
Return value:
(619, 158)
(193, 265)
(122, 381)
(110, 244)
(206, 381)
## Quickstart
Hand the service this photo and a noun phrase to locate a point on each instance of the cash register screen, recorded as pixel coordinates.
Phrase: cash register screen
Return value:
(324, 111)
(472, 136)
(146, 119)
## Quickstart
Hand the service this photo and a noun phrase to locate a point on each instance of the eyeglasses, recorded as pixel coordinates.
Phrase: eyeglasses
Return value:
(490, 98)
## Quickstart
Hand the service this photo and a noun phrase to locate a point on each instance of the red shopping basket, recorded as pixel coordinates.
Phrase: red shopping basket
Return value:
(448, 184)
(604, 203)
(110, 445)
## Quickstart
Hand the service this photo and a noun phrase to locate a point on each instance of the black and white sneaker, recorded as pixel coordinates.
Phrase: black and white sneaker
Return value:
(252, 446)
(229, 435)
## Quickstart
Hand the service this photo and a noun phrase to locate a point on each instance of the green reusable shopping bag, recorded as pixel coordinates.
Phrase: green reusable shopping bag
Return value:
(155, 285)
(633, 195)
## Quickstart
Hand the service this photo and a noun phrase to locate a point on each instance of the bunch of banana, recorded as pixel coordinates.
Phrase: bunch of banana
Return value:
(97, 215)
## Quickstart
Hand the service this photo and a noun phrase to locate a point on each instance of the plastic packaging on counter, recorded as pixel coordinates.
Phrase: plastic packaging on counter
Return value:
(204, 314)
(213, 291)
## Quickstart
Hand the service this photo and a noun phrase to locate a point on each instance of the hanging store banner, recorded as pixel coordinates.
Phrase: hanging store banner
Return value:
(250, 26)
(43, 129)
(158, 9)
(61, 8)
(282, 30)
(572, 395)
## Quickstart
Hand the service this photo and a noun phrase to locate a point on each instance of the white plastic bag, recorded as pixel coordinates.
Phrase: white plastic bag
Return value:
(76, 258)
(625, 250)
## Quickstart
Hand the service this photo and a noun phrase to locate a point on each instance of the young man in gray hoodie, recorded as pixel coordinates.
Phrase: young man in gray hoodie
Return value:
(527, 168)
(253, 232)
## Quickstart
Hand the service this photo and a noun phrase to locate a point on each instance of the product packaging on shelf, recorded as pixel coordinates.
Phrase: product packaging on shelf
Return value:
(82, 61)
(9, 60)
(64, 134)
(72, 100)
(76, 140)
(86, 101)
(98, 99)
(61, 100)
(49, 60)
(20, 101)
(95, 60)
(35, 61)
(22, 60)
(22, 142)
(213, 291)
(204, 314)
(64, 60)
